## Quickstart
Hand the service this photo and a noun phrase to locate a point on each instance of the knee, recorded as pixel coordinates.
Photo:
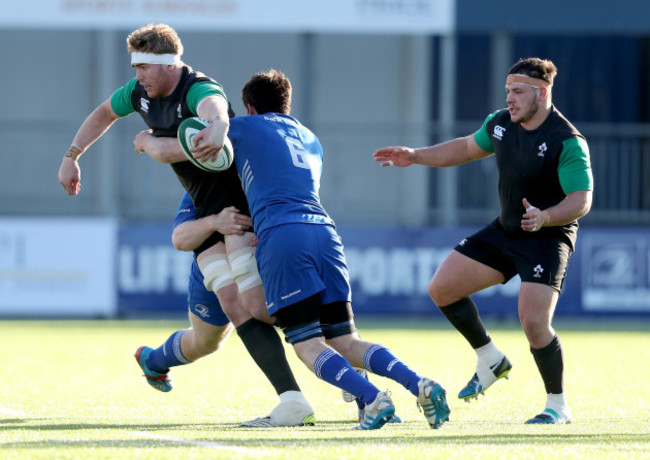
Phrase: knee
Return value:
(343, 345)
(534, 326)
(437, 292)
(206, 345)
(228, 297)
(261, 313)
(231, 305)
(236, 314)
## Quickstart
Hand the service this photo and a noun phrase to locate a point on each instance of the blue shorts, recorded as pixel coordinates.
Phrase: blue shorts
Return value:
(204, 303)
(297, 261)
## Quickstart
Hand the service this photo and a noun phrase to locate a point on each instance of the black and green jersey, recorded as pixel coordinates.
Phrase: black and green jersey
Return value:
(210, 191)
(542, 165)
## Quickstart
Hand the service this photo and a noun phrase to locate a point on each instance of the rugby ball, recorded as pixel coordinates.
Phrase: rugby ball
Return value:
(186, 132)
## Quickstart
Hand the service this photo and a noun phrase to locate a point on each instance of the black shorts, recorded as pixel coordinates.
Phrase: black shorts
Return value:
(209, 242)
(211, 193)
(540, 257)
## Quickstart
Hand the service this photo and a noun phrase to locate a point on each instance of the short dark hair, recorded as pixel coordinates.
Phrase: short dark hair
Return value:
(268, 91)
(156, 39)
(535, 67)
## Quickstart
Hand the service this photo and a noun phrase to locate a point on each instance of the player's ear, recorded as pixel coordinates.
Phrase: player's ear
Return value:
(543, 92)
(250, 109)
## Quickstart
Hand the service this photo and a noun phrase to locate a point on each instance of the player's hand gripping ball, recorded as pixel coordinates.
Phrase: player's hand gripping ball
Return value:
(186, 132)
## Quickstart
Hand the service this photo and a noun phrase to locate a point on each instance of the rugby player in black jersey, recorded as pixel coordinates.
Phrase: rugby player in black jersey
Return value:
(164, 92)
(545, 186)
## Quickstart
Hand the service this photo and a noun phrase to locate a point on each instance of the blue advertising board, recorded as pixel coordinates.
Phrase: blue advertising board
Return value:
(152, 276)
(390, 268)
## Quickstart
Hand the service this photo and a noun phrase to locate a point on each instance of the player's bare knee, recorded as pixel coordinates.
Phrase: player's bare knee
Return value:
(261, 313)
(235, 313)
(210, 345)
(343, 344)
(536, 328)
(442, 293)
(204, 348)
(436, 292)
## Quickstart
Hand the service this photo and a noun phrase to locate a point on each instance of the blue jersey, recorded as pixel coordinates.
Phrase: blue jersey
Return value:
(186, 210)
(279, 162)
(201, 302)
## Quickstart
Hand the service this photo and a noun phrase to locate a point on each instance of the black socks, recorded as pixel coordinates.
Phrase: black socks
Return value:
(463, 315)
(266, 348)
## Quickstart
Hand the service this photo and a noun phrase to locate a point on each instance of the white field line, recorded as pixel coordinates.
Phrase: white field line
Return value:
(190, 442)
(8, 412)
(11, 412)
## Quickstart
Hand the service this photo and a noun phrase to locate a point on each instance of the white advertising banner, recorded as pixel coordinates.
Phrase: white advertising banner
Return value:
(57, 267)
(331, 16)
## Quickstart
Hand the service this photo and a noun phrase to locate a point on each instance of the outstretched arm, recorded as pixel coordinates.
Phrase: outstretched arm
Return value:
(451, 153)
(93, 127)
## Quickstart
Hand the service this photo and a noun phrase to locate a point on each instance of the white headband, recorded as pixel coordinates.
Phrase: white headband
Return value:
(151, 58)
(526, 80)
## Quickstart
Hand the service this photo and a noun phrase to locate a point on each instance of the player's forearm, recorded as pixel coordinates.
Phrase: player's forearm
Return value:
(93, 127)
(572, 208)
(164, 150)
(191, 234)
(215, 110)
(450, 153)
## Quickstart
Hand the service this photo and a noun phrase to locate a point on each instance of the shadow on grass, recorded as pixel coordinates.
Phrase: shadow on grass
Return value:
(10, 421)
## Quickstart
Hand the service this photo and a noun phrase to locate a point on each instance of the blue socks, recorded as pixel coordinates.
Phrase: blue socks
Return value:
(336, 370)
(168, 355)
(379, 360)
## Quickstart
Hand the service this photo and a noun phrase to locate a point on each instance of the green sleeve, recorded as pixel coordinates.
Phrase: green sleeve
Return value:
(121, 99)
(482, 137)
(201, 90)
(574, 170)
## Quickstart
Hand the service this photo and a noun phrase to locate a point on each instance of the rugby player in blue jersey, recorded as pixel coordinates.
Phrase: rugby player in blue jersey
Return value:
(545, 186)
(300, 255)
(164, 92)
(210, 326)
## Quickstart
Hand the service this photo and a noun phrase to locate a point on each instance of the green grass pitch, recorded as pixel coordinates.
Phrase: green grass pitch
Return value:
(71, 389)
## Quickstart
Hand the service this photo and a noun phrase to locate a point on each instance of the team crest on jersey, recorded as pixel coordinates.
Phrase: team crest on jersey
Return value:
(144, 105)
(202, 310)
(498, 132)
(541, 149)
(178, 111)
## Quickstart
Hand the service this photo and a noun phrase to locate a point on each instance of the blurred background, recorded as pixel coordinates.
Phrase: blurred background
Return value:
(366, 74)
